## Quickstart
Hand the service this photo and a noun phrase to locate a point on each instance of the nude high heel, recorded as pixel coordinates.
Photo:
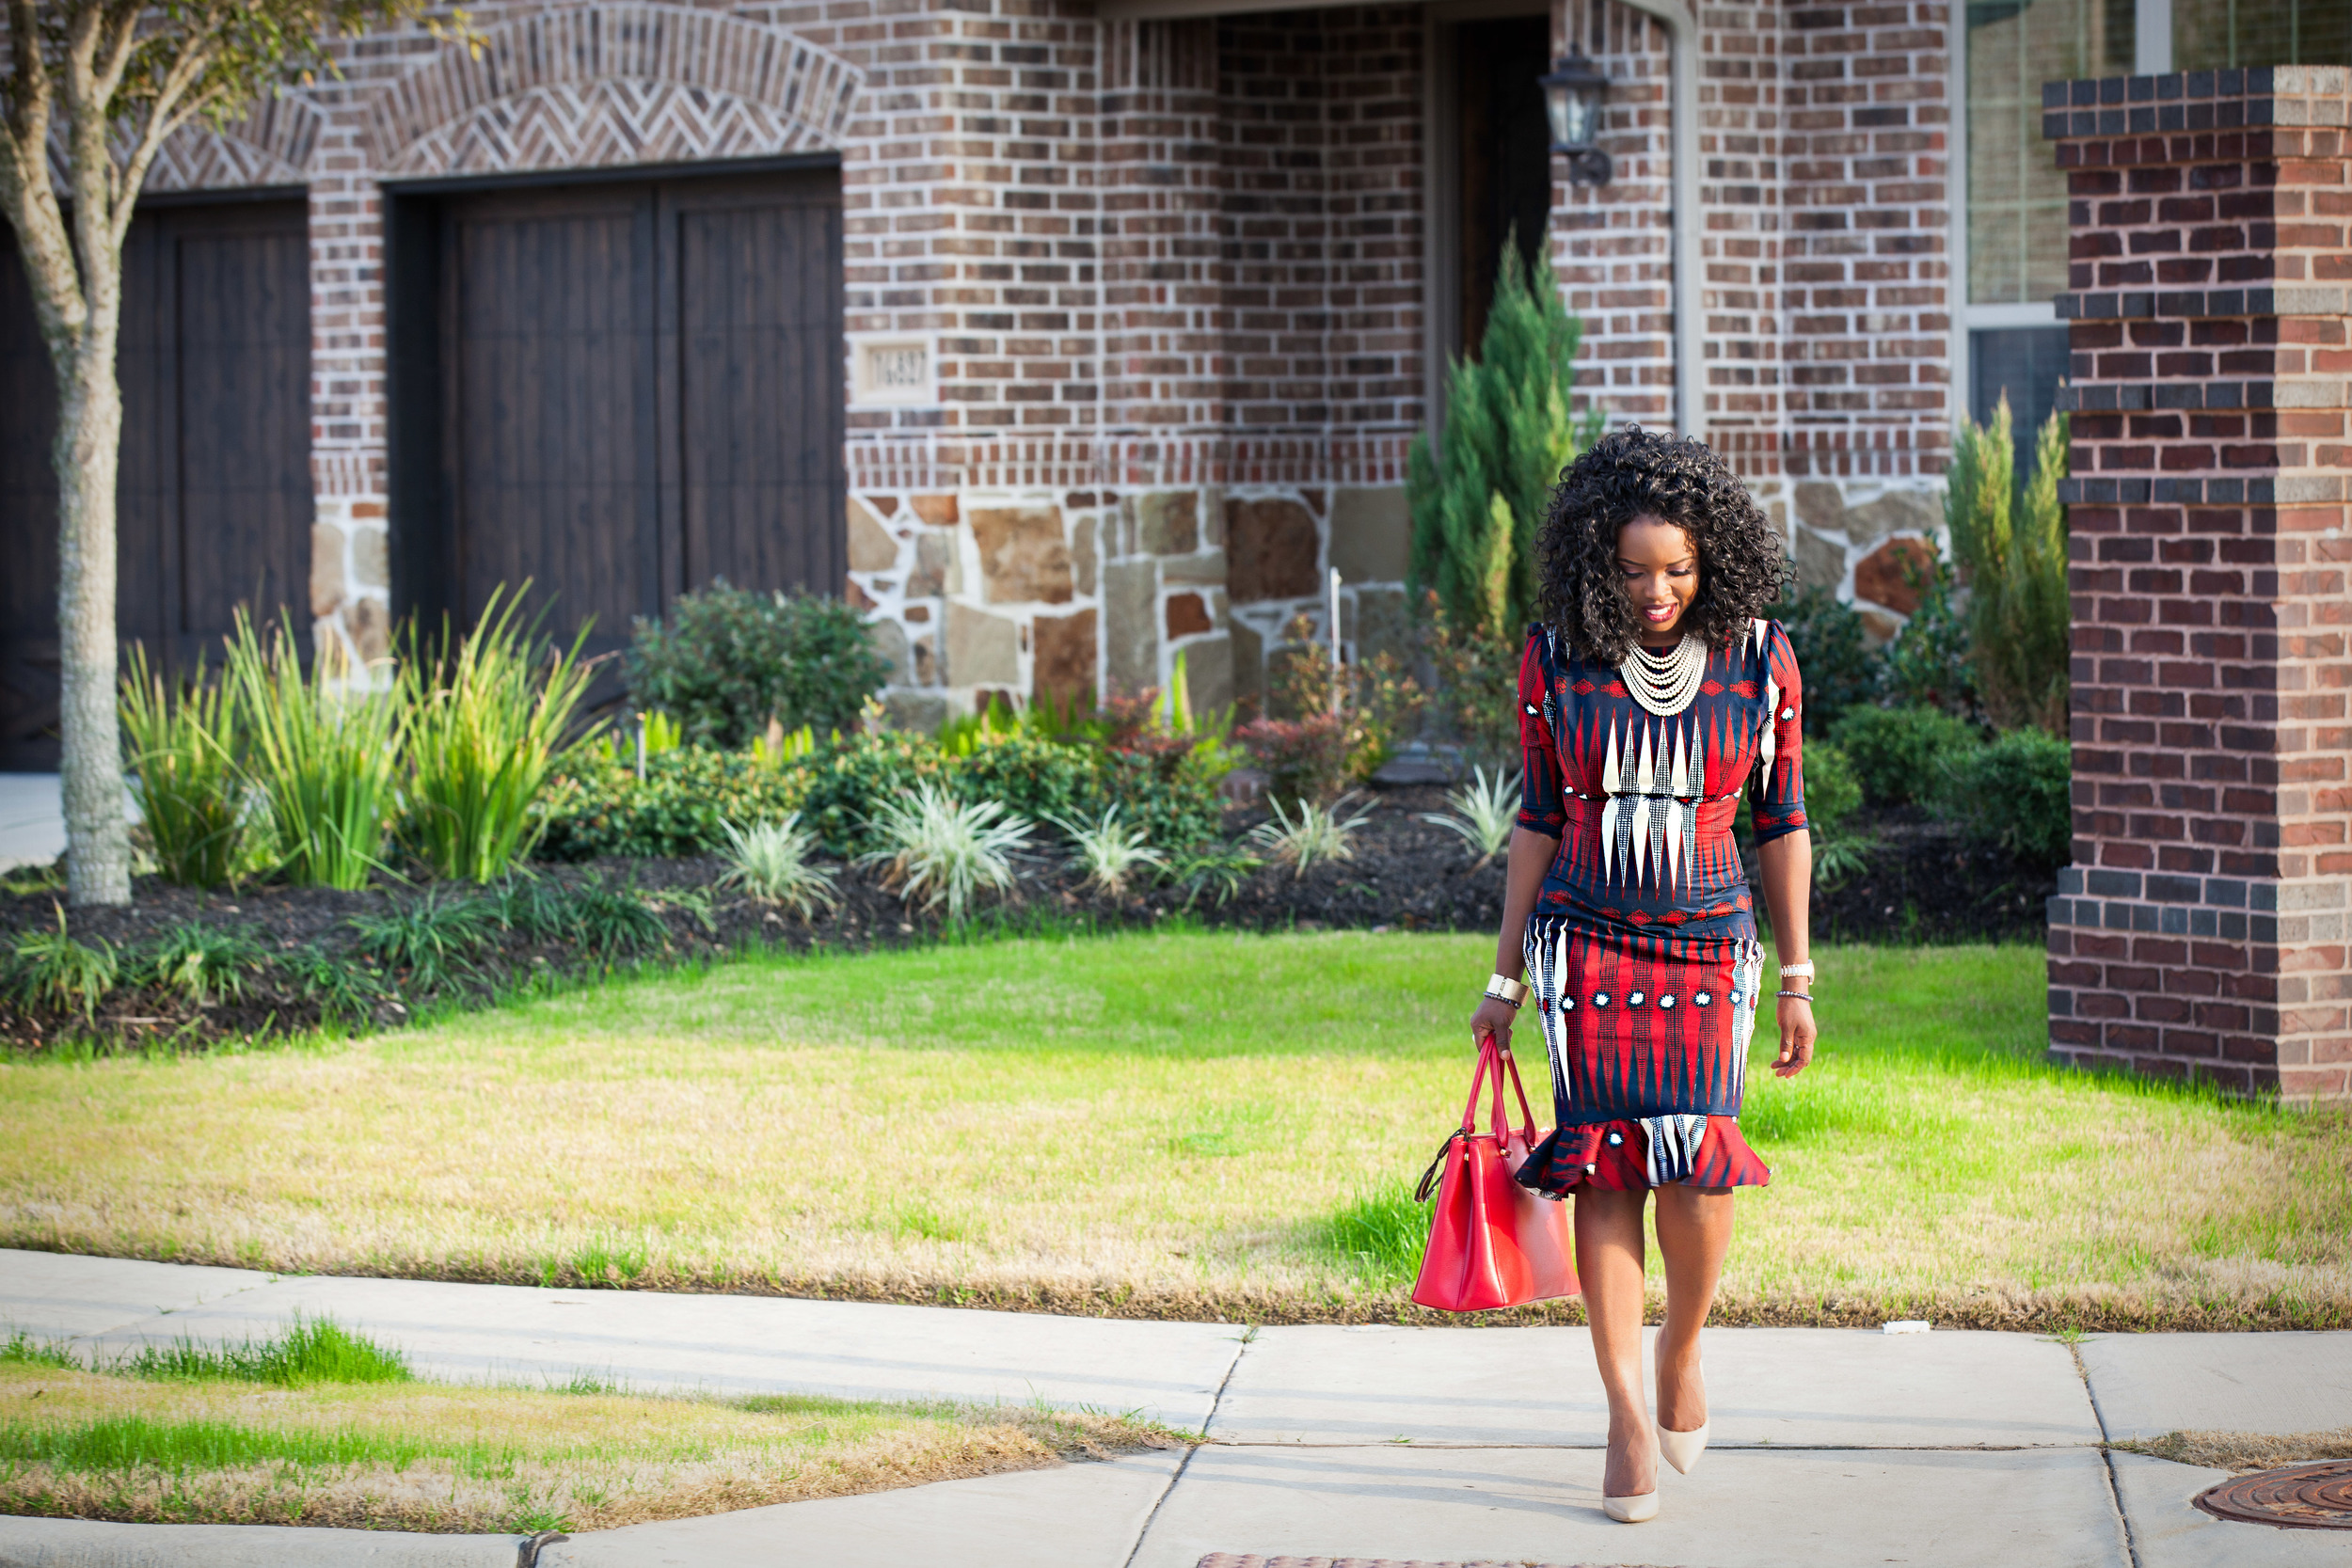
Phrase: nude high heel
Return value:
(1680, 1450)
(1631, 1510)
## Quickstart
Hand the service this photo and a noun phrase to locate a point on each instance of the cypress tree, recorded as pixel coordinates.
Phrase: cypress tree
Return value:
(1478, 499)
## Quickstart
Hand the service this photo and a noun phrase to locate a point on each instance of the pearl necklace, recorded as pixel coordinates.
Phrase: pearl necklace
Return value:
(1665, 683)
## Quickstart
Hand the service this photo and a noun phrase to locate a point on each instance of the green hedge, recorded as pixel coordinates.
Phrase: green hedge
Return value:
(1899, 754)
(2014, 792)
(601, 808)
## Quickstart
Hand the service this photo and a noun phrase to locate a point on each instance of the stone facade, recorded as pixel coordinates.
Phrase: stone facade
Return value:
(2201, 931)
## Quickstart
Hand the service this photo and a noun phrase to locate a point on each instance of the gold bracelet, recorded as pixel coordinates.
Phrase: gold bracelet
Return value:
(1503, 988)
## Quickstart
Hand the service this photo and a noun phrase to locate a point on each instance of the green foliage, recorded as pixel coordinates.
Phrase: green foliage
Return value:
(121, 1443)
(184, 751)
(1108, 850)
(203, 963)
(487, 714)
(50, 969)
(2013, 793)
(1479, 496)
(1485, 810)
(1832, 793)
(1478, 686)
(943, 850)
(727, 660)
(437, 938)
(840, 788)
(1316, 833)
(775, 860)
(1218, 867)
(1378, 704)
(23, 1350)
(614, 923)
(309, 1351)
(596, 806)
(345, 988)
(1927, 665)
(2010, 545)
(324, 755)
(1840, 670)
(1897, 754)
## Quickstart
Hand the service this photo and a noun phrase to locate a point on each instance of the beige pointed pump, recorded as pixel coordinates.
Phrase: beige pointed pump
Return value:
(1680, 1450)
(1631, 1510)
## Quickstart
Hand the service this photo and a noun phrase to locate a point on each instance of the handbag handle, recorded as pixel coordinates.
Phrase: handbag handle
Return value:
(1488, 1077)
(1527, 1117)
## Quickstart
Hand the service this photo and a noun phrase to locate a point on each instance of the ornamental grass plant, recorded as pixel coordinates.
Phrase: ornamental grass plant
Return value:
(1316, 833)
(1484, 812)
(324, 753)
(777, 862)
(488, 717)
(942, 851)
(185, 746)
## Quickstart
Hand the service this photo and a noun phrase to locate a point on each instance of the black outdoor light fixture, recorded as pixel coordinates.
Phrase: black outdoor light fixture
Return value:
(1573, 94)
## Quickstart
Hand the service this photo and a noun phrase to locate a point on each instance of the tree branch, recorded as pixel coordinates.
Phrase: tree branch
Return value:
(27, 192)
(166, 114)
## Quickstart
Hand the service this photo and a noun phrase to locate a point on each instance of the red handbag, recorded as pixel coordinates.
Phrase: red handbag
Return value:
(1492, 1242)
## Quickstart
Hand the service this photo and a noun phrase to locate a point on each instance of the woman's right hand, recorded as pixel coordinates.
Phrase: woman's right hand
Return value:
(1494, 1017)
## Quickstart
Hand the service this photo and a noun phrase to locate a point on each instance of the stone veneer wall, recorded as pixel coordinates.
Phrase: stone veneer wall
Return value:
(2202, 929)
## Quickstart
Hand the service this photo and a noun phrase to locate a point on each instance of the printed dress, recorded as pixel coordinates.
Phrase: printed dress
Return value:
(1642, 951)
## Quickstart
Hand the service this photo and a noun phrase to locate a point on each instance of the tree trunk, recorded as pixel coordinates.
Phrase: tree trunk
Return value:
(87, 456)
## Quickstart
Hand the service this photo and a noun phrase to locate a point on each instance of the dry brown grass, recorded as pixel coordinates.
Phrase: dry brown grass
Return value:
(460, 1459)
(2244, 1450)
(1159, 1126)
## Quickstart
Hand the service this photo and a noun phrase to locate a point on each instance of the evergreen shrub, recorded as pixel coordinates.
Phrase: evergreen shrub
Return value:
(2013, 794)
(726, 660)
(2008, 540)
(1832, 794)
(1897, 756)
(1839, 668)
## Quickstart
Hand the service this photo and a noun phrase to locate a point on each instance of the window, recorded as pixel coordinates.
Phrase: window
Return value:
(2010, 244)
(2213, 34)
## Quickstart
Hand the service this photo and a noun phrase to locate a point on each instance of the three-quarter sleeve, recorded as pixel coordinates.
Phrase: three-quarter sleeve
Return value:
(1776, 788)
(1541, 808)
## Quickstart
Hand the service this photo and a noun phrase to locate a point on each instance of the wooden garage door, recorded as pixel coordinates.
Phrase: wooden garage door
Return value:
(215, 497)
(640, 391)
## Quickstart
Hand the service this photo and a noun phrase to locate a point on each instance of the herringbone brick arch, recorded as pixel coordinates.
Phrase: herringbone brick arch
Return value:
(271, 146)
(604, 84)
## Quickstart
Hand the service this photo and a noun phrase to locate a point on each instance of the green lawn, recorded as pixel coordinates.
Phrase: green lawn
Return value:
(173, 1439)
(1185, 1123)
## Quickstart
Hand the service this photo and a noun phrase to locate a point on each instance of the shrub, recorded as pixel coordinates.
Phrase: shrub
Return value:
(2014, 792)
(1928, 665)
(1478, 686)
(487, 718)
(1484, 812)
(726, 660)
(1379, 703)
(1832, 793)
(1172, 799)
(596, 806)
(1840, 670)
(1318, 834)
(839, 790)
(1036, 779)
(1477, 497)
(1303, 757)
(325, 758)
(2010, 545)
(1896, 755)
(774, 860)
(944, 849)
(184, 761)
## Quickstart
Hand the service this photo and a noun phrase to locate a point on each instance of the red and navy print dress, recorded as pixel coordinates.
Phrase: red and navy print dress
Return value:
(1643, 951)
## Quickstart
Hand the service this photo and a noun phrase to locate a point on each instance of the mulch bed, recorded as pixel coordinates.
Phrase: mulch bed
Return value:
(1922, 886)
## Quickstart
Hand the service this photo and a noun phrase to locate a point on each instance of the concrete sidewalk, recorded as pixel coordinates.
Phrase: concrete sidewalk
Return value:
(1832, 1446)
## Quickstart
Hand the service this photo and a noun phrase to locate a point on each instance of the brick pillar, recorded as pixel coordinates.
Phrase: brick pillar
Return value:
(2201, 930)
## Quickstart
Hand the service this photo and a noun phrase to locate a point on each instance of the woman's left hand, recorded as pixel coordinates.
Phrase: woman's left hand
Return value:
(1797, 1035)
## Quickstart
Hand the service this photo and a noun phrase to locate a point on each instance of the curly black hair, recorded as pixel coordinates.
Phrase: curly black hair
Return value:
(1631, 473)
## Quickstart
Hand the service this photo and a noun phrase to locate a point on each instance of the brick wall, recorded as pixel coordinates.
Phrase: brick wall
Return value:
(2202, 929)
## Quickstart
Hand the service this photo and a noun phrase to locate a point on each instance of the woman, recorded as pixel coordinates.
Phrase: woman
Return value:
(1650, 697)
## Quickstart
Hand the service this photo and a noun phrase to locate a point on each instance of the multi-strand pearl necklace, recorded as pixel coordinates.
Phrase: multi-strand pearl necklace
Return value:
(1665, 683)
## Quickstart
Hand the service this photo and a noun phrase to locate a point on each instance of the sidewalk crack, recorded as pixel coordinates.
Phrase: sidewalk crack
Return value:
(2106, 1457)
(1248, 1337)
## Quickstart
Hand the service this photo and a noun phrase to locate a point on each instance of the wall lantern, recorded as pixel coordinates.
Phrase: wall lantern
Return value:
(1573, 94)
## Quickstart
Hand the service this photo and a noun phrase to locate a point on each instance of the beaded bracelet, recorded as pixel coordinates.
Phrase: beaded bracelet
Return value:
(1800, 995)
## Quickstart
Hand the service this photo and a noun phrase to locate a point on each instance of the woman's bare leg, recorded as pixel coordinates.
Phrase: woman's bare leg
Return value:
(1609, 1263)
(1694, 1233)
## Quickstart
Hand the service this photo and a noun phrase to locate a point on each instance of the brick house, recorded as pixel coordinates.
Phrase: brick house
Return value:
(1076, 335)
